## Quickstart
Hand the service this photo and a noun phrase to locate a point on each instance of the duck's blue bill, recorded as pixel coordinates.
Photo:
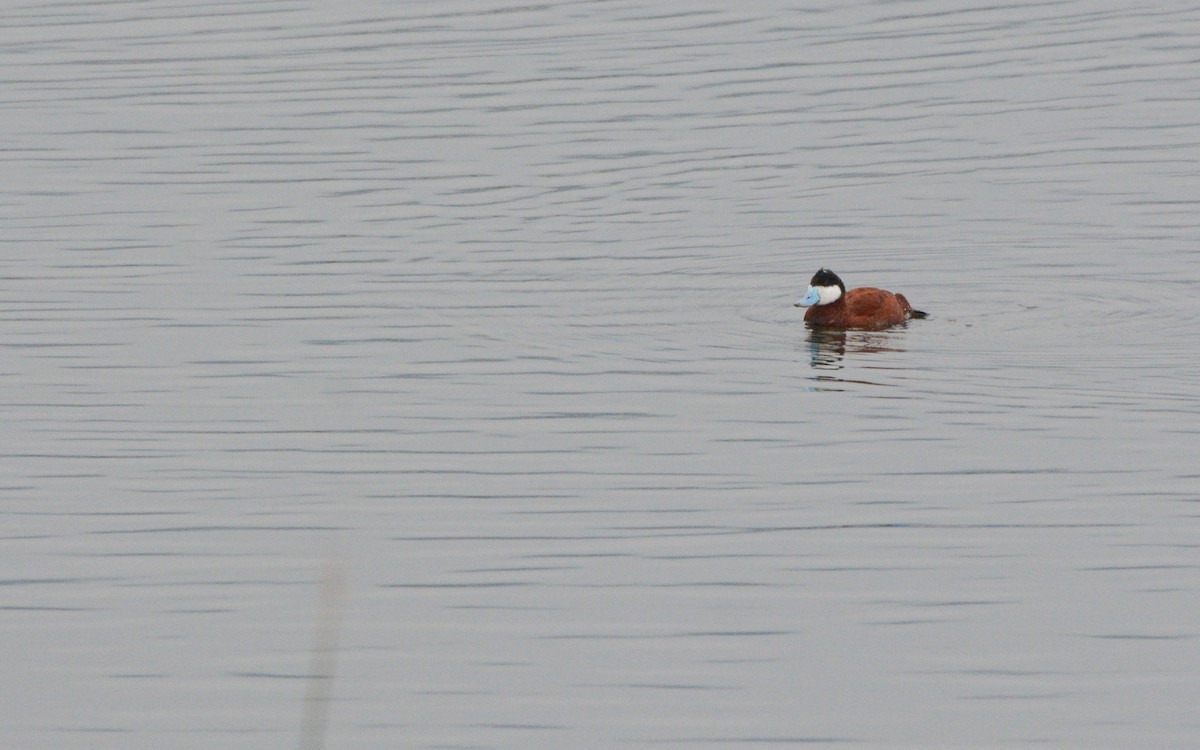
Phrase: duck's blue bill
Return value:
(810, 299)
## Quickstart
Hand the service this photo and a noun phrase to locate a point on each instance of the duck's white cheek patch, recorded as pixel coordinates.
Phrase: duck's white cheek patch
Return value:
(828, 294)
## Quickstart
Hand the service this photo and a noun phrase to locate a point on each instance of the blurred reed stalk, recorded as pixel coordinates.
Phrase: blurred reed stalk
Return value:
(323, 662)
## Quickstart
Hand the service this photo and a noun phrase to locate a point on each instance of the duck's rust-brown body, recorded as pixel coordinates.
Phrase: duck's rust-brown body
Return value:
(865, 307)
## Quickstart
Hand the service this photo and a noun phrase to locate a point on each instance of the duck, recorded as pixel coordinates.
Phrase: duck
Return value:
(831, 306)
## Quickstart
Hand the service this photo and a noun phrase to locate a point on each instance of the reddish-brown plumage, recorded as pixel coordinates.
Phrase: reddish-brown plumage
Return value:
(865, 307)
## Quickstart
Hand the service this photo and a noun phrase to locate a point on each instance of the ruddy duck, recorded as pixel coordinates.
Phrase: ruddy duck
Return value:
(830, 305)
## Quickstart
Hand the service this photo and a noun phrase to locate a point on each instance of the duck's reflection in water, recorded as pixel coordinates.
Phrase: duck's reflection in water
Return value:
(827, 347)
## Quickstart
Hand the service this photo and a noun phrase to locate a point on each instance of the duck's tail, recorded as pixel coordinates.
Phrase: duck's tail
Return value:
(908, 309)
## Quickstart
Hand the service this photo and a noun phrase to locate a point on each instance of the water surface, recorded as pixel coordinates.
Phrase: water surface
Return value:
(491, 305)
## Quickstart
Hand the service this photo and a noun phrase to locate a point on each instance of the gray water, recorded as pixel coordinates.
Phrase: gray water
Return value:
(488, 307)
